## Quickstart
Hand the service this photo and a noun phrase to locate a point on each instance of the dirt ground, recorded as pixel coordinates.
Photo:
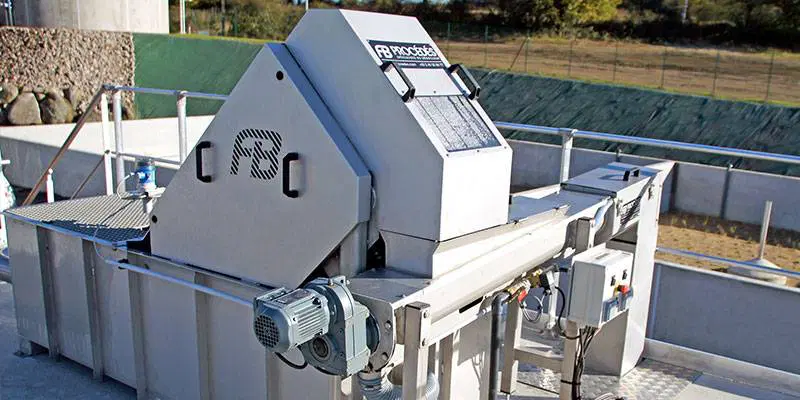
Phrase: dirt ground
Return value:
(727, 239)
(736, 75)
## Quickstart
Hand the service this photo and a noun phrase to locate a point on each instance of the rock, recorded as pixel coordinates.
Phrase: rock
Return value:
(56, 109)
(8, 93)
(77, 98)
(26, 89)
(24, 110)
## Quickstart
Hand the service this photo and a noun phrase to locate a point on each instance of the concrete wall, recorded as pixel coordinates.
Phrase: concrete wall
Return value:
(108, 15)
(723, 314)
(692, 188)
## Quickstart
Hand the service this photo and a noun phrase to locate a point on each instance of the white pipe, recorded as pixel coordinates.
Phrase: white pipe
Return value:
(116, 103)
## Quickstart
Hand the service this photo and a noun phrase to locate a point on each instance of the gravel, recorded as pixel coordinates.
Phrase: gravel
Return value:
(66, 58)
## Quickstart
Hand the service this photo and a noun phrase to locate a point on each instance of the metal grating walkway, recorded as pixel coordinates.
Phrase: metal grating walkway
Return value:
(109, 219)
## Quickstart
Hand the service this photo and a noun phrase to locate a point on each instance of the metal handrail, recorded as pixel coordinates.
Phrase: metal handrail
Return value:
(667, 144)
(61, 151)
(99, 98)
(727, 261)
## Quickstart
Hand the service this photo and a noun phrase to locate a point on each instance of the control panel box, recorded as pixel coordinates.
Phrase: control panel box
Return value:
(599, 285)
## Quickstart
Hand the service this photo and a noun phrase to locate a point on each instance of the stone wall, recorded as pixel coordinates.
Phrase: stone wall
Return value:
(48, 75)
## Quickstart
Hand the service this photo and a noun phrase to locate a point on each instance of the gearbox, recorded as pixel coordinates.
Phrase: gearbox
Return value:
(334, 332)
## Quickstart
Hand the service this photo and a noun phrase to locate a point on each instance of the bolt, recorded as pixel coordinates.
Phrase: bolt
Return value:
(426, 314)
(424, 342)
(384, 357)
(387, 325)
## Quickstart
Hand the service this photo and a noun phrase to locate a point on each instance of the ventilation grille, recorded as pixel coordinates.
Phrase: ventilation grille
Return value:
(267, 331)
(629, 211)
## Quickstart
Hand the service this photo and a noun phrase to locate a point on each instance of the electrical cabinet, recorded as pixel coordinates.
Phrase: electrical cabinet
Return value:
(599, 285)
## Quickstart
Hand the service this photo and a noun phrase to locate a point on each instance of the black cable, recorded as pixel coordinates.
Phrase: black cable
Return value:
(291, 364)
(561, 314)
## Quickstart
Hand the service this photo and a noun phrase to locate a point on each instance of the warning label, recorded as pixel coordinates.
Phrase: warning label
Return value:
(407, 55)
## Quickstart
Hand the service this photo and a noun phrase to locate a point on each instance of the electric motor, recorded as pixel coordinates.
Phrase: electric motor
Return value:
(286, 319)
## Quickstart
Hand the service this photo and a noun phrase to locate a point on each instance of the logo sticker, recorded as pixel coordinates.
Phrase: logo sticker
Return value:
(262, 148)
(407, 55)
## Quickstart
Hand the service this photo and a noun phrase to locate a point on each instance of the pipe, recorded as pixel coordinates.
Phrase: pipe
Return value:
(181, 282)
(375, 387)
(600, 214)
(498, 301)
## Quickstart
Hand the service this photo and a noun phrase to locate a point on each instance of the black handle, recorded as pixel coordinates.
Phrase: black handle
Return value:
(287, 159)
(198, 157)
(409, 94)
(476, 88)
(627, 175)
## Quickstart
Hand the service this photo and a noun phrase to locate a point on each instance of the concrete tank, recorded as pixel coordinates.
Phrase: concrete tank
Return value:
(150, 16)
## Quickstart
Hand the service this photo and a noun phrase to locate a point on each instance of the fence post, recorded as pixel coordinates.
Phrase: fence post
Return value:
(569, 64)
(109, 179)
(769, 77)
(183, 16)
(116, 105)
(447, 41)
(49, 190)
(616, 57)
(527, 44)
(663, 66)
(486, 46)
(182, 146)
(716, 71)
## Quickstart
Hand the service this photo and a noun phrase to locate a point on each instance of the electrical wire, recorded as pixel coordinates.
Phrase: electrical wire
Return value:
(561, 314)
(291, 364)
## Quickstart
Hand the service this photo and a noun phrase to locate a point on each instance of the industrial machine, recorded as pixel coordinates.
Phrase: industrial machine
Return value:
(344, 228)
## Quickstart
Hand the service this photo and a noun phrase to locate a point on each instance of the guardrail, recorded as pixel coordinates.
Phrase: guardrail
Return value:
(567, 135)
(100, 99)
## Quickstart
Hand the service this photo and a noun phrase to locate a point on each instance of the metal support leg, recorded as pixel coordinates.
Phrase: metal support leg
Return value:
(508, 380)
(449, 355)
(48, 291)
(567, 136)
(201, 324)
(137, 326)
(570, 350)
(415, 353)
(116, 105)
(95, 333)
(552, 303)
(182, 145)
(109, 179)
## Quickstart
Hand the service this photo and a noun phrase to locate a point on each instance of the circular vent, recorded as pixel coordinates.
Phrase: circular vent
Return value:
(266, 331)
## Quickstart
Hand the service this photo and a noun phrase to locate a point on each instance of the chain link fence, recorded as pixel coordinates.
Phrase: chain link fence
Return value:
(737, 75)
(769, 76)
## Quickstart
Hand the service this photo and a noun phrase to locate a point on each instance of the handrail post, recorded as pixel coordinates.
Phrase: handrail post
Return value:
(182, 145)
(49, 190)
(116, 104)
(762, 243)
(567, 136)
(109, 178)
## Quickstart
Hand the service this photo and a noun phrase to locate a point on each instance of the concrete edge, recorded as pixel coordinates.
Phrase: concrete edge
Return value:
(751, 374)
